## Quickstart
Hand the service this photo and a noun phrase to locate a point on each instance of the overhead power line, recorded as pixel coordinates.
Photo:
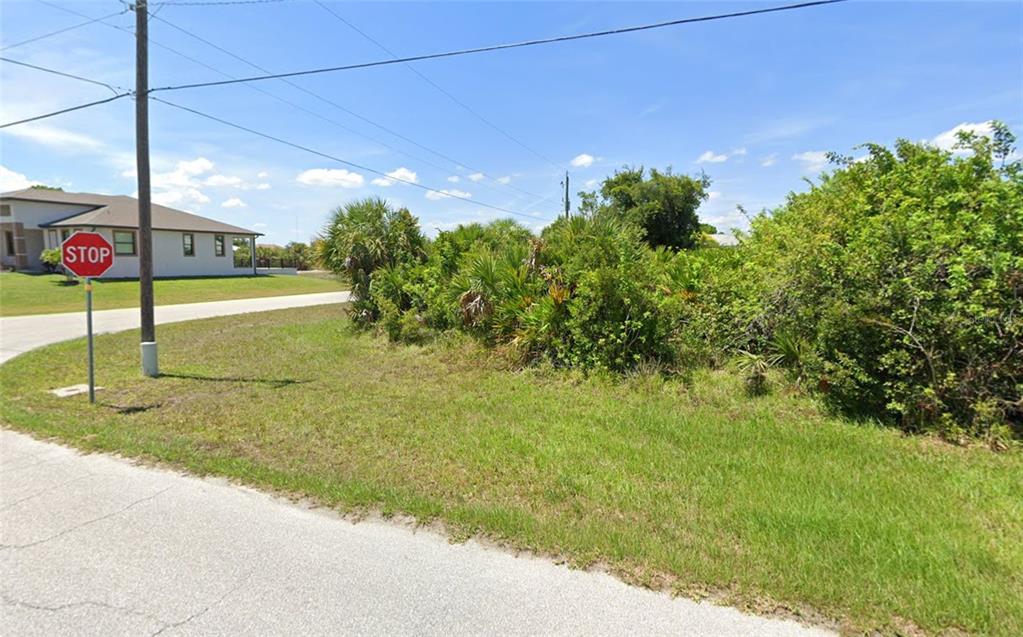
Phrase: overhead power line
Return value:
(199, 62)
(439, 88)
(500, 47)
(278, 97)
(65, 110)
(214, 3)
(259, 89)
(343, 161)
(64, 30)
(340, 107)
(62, 74)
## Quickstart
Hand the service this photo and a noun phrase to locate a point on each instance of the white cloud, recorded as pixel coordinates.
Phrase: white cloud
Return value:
(582, 160)
(948, 139)
(10, 180)
(784, 129)
(234, 202)
(769, 160)
(179, 187)
(263, 186)
(813, 160)
(710, 157)
(712, 195)
(504, 180)
(55, 137)
(454, 179)
(650, 110)
(401, 174)
(590, 183)
(739, 152)
(262, 174)
(181, 196)
(330, 177)
(444, 194)
(183, 174)
(223, 180)
(476, 177)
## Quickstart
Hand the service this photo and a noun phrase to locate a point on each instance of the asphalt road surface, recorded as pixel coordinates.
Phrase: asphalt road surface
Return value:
(22, 333)
(98, 545)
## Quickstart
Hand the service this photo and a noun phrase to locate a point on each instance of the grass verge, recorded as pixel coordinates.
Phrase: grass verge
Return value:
(22, 294)
(693, 487)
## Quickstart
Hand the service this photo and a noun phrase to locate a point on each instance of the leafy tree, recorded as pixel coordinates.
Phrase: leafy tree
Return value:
(300, 254)
(706, 228)
(44, 187)
(663, 205)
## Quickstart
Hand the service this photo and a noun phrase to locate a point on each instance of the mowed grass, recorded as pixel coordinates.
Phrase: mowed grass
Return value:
(22, 294)
(694, 487)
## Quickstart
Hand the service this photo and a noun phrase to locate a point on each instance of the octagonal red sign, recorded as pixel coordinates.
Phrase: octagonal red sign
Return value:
(87, 254)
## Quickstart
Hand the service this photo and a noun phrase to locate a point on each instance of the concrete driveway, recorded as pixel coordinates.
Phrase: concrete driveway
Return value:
(98, 545)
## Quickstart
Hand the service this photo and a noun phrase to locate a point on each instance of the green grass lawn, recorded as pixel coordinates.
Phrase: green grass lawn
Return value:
(22, 294)
(763, 502)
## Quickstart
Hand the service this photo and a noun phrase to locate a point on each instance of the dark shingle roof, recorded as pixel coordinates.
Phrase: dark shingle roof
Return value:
(119, 211)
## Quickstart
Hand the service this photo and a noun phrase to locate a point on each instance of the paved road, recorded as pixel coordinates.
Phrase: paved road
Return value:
(99, 545)
(21, 333)
(96, 545)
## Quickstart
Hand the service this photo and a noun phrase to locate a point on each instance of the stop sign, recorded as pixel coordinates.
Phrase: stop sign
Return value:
(87, 254)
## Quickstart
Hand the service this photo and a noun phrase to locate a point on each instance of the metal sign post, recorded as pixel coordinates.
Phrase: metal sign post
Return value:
(88, 327)
(88, 255)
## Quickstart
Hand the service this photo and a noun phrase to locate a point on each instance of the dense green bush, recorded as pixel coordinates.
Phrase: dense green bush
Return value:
(905, 273)
(894, 286)
(51, 259)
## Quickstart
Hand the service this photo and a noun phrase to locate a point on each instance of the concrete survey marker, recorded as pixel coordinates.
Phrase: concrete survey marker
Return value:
(73, 390)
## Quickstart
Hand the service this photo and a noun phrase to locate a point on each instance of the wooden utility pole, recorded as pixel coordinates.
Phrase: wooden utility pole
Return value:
(567, 205)
(150, 366)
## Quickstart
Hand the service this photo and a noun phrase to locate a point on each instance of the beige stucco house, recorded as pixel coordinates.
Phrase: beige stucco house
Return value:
(184, 244)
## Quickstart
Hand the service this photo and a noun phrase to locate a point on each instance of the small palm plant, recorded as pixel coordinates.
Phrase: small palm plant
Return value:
(791, 352)
(755, 367)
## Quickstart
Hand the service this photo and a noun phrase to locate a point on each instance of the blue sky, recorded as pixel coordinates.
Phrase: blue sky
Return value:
(754, 102)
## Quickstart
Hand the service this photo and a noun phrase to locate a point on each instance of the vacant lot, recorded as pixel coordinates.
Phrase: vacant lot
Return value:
(22, 294)
(694, 487)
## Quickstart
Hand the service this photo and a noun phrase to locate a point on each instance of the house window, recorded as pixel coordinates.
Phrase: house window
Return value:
(64, 234)
(188, 242)
(218, 245)
(53, 238)
(9, 237)
(124, 242)
(5, 211)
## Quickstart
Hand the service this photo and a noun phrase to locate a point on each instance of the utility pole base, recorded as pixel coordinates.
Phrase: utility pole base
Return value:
(150, 367)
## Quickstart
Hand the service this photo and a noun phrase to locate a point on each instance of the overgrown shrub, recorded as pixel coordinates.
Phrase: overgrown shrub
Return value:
(905, 272)
(894, 286)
